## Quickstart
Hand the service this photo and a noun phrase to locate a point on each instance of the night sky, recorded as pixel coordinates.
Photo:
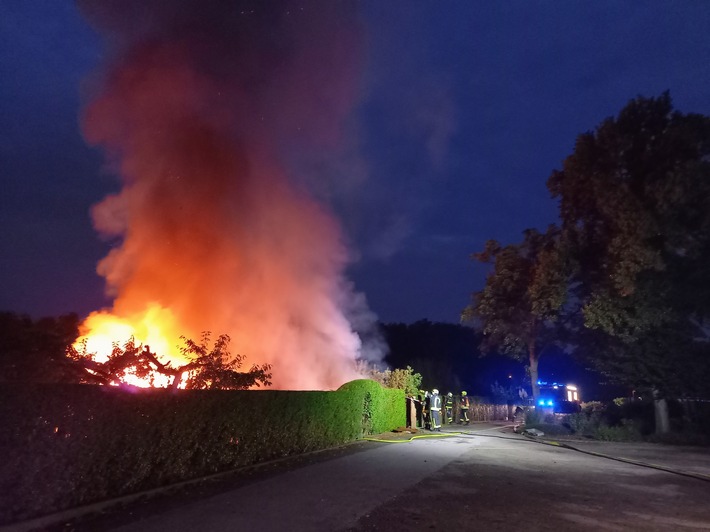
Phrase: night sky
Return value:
(463, 111)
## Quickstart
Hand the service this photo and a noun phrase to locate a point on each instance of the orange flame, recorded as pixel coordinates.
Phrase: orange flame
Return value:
(156, 327)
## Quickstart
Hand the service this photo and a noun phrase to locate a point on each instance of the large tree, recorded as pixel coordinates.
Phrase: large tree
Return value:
(634, 200)
(519, 307)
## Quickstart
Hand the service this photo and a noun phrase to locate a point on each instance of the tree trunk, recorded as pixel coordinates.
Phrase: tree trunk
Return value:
(533, 374)
(660, 406)
(175, 385)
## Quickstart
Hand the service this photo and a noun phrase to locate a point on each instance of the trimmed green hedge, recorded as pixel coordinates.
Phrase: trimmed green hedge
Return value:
(383, 408)
(68, 445)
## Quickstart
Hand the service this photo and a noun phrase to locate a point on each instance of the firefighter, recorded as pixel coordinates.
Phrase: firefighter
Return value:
(463, 407)
(419, 405)
(435, 406)
(426, 413)
(449, 408)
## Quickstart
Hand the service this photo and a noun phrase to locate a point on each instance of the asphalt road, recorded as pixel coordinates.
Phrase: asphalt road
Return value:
(485, 480)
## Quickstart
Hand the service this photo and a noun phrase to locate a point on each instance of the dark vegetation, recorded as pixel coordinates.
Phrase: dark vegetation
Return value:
(35, 350)
(627, 419)
(74, 444)
(622, 283)
(448, 358)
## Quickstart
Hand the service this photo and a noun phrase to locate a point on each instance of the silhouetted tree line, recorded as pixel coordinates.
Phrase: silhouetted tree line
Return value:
(447, 357)
(35, 350)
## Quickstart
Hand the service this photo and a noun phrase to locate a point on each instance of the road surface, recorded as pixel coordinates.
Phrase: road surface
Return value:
(484, 480)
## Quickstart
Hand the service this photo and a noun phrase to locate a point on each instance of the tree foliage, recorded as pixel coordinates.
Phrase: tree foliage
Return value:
(504, 394)
(205, 367)
(216, 368)
(523, 297)
(402, 379)
(634, 200)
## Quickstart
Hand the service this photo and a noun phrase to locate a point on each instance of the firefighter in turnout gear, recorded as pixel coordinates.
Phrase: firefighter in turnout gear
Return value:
(463, 408)
(426, 411)
(449, 404)
(419, 405)
(435, 407)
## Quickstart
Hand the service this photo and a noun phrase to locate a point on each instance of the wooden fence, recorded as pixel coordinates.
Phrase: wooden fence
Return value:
(477, 412)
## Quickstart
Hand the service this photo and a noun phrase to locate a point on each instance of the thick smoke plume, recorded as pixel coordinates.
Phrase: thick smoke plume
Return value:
(196, 106)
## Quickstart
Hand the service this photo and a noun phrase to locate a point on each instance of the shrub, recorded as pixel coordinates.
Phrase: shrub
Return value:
(533, 417)
(621, 401)
(382, 408)
(402, 379)
(593, 406)
(584, 423)
(580, 423)
(75, 444)
(627, 431)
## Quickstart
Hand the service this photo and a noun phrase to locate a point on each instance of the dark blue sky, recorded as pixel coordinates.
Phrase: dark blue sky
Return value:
(465, 109)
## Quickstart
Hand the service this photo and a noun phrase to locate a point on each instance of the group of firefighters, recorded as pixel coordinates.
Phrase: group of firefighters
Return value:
(428, 407)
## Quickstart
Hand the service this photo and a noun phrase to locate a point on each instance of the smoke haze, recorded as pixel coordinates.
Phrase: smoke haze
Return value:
(195, 108)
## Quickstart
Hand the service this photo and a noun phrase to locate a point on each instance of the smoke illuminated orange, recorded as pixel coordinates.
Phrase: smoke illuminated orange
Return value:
(198, 112)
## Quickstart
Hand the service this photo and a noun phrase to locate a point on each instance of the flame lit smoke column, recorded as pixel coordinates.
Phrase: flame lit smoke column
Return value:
(194, 108)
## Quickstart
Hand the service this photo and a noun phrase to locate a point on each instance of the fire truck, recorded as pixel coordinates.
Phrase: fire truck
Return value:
(561, 398)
